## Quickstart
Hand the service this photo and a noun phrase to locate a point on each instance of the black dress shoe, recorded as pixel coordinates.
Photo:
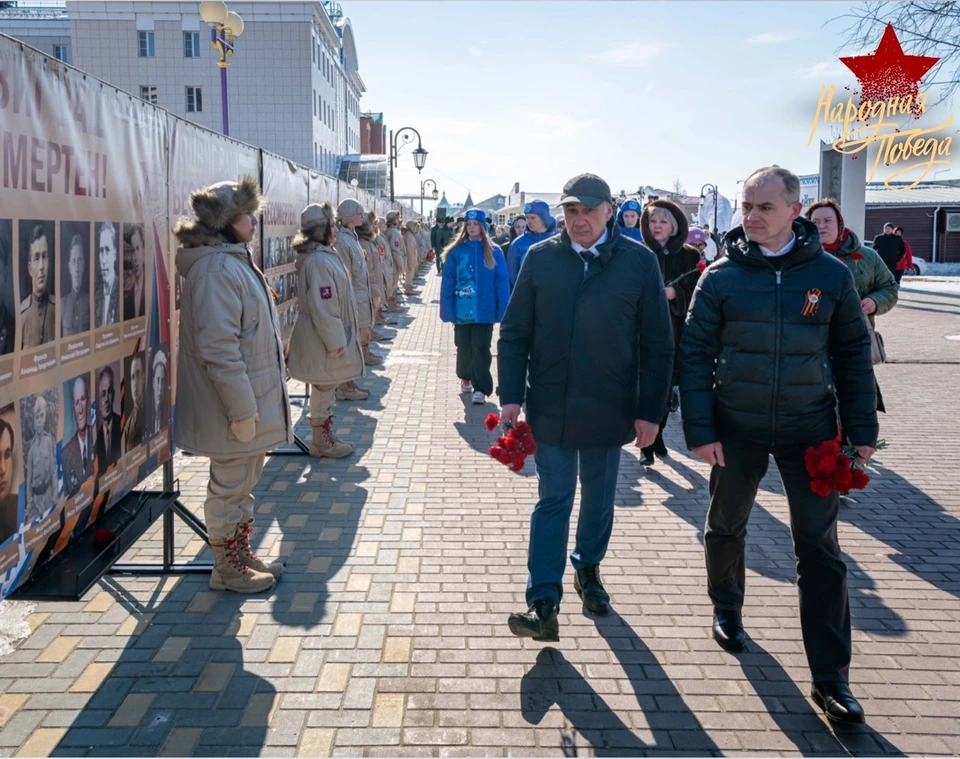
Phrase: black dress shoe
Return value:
(837, 702)
(538, 622)
(660, 448)
(646, 456)
(728, 629)
(587, 583)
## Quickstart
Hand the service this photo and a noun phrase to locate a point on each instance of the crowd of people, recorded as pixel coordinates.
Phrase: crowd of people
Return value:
(611, 319)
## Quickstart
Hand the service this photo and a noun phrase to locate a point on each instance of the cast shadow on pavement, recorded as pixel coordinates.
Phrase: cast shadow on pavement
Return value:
(769, 545)
(795, 715)
(180, 670)
(924, 536)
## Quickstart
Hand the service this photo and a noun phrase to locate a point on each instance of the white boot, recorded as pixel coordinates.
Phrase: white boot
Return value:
(230, 573)
(249, 558)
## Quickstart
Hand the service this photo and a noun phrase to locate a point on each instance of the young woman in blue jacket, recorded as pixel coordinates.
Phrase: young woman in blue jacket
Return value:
(473, 296)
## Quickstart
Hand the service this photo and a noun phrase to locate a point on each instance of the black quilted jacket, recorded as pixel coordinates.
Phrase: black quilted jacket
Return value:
(769, 356)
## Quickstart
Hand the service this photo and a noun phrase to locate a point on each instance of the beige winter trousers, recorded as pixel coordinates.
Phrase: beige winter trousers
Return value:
(322, 400)
(230, 495)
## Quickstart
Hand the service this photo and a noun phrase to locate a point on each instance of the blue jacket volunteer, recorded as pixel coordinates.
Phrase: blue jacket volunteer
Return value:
(519, 247)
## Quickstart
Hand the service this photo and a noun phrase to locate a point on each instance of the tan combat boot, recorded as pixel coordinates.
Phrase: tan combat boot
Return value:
(324, 442)
(249, 558)
(230, 573)
(349, 391)
(370, 358)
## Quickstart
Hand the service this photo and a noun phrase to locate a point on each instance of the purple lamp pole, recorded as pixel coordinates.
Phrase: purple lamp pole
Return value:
(225, 27)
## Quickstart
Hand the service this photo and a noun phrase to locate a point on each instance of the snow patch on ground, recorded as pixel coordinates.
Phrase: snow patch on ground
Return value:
(943, 270)
(13, 624)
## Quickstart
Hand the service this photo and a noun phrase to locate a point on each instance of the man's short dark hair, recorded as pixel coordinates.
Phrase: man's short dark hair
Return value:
(890, 224)
(901, 230)
(76, 242)
(129, 230)
(105, 370)
(38, 231)
(5, 426)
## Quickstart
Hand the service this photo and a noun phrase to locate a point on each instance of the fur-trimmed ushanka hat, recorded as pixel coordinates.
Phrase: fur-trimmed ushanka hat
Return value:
(216, 207)
(315, 220)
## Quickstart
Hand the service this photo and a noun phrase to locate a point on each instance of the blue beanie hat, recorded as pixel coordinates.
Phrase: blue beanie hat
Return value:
(541, 209)
(631, 205)
(475, 214)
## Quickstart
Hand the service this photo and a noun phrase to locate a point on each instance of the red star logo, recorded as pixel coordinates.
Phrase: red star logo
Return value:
(889, 72)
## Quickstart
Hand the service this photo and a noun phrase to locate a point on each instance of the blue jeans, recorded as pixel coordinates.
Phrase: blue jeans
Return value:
(550, 522)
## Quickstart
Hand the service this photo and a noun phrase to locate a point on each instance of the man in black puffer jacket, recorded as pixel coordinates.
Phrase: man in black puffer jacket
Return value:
(775, 343)
(587, 343)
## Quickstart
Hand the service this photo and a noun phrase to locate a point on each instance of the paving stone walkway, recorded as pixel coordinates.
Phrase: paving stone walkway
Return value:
(387, 635)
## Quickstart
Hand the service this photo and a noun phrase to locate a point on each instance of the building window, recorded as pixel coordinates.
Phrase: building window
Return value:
(194, 100)
(146, 44)
(314, 104)
(61, 53)
(148, 92)
(313, 52)
(191, 44)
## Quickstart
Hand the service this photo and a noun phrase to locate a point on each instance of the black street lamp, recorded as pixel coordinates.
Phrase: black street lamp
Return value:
(423, 186)
(703, 198)
(405, 135)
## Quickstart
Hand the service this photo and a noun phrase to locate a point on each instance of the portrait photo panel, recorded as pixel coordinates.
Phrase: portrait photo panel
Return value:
(37, 283)
(39, 424)
(78, 441)
(8, 306)
(108, 436)
(134, 276)
(158, 389)
(11, 473)
(75, 271)
(106, 290)
(134, 400)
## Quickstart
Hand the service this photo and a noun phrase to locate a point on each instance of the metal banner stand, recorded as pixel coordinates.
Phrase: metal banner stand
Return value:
(300, 448)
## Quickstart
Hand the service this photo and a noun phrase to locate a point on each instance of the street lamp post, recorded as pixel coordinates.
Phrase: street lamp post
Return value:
(423, 187)
(405, 135)
(703, 198)
(225, 27)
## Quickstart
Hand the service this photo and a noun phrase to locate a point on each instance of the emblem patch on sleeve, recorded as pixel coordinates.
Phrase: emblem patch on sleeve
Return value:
(326, 293)
(812, 303)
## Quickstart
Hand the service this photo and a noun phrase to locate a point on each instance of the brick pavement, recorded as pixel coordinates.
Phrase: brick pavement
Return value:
(387, 635)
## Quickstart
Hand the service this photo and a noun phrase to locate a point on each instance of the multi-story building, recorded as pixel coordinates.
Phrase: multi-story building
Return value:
(293, 88)
(373, 134)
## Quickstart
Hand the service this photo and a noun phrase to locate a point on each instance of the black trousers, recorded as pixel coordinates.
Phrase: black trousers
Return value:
(473, 355)
(658, 445)
(821, 573)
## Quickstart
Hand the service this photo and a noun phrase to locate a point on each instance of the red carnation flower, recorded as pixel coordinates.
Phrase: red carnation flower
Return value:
(830, 448)
(701, 266)
(103, 538)
(860, 479)
(857, 256)
(810, 460)
(491, 422)
(826, 464)
(820, 487)
(843, 479)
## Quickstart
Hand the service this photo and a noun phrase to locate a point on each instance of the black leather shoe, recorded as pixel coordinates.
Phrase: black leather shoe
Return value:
(646, 456)
(660, 448)
(587, 583)
(728, 629)
(538, 622)
(837, 702)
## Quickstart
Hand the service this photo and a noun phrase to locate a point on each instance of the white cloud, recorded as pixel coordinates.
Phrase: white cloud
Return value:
(632, 53)
(552, 126)
(770, 38)
(823, 70)
(475, 52)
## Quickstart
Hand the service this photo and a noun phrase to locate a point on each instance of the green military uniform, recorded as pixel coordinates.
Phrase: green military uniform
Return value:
(37, 320)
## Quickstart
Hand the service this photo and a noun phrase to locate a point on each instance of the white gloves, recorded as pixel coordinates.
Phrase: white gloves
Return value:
(245, 430)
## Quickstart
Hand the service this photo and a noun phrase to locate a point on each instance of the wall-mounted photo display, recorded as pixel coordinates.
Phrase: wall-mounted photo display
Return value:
(75, 274)
(38, 322)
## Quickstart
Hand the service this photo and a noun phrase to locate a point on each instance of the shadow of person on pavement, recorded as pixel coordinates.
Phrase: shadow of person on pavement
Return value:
(796, 716)
(924, 536)
(181, 676)
(554, 680)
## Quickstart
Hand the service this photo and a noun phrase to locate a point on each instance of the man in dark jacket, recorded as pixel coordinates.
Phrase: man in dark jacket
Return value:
(444, 238)
(774, 345)
(587, 344)
(890, 247)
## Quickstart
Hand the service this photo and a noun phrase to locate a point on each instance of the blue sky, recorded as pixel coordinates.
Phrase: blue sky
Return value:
(638, 92)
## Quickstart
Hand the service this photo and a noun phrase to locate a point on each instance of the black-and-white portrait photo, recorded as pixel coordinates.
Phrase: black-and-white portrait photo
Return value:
(8, 329)
(77, 456)
(37, 304)
(134, 405)
(159, 389)
(134, 282)
(74, 278)
(39, 420)
(107, 274)
(9, 481)
(108, 416)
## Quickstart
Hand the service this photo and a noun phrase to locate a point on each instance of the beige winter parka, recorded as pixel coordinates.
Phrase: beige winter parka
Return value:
(327, 320)
(351, 254)
(397, 251)
(410, 245)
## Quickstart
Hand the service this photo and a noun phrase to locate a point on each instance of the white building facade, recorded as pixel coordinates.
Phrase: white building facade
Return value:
(293, 84)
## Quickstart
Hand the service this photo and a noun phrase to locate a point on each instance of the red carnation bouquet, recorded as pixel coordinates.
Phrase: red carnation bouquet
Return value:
(701, 267)
(512, 449)
(833, 466)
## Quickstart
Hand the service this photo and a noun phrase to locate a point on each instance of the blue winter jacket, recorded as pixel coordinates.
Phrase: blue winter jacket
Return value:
(633, 232)
(470, 293)
(520, 246)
